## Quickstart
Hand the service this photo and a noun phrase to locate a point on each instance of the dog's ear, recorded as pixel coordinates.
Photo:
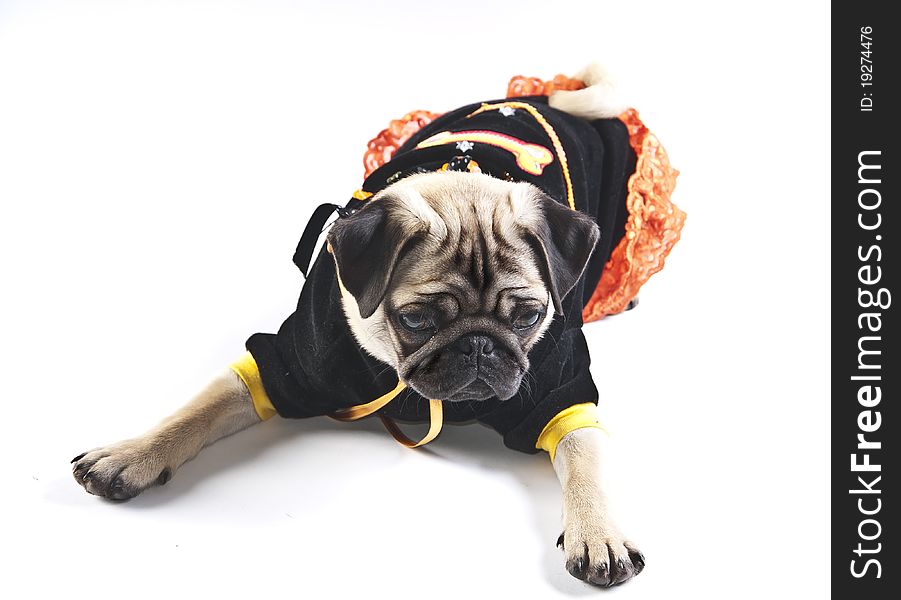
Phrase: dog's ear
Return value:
(563, 240)
(367, 246)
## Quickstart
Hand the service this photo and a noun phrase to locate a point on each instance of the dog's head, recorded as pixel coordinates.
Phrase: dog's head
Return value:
(451, 278)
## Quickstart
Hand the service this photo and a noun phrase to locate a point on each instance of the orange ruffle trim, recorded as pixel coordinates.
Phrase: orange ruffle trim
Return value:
(382, 147)
(652, 228)
(532, 86)
(654, 223)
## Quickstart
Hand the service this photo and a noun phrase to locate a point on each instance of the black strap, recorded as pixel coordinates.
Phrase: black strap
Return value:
(316, 225)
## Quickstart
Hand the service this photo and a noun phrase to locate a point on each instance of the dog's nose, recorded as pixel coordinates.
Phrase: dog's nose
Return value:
(478, 343)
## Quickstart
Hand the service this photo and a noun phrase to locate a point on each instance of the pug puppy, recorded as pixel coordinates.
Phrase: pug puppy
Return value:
(469, 284)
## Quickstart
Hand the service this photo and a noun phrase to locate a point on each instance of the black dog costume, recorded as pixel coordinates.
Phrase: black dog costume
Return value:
(313, 366)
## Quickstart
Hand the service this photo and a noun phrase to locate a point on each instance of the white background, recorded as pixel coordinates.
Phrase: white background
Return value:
(158, 161)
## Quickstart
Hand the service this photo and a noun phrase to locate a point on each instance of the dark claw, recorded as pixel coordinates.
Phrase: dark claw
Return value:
(81, 471)
(637, 561)
(90, 483)
(622, 572)
(78, 458)
(576, 567)
(560, 542)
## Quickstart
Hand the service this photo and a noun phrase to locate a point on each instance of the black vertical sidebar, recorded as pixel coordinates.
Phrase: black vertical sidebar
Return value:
(866, 438)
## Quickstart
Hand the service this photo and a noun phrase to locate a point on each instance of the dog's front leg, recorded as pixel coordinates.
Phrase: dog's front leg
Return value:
(595, 549)
(124, 470)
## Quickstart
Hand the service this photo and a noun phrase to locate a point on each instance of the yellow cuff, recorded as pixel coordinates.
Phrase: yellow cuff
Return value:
(246, 368)
(567, 420)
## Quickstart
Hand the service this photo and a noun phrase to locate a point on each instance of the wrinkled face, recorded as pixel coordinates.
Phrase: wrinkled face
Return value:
(452, 277)
(462, 313)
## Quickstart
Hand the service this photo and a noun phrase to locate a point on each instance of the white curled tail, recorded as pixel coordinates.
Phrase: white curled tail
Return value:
(597, 101)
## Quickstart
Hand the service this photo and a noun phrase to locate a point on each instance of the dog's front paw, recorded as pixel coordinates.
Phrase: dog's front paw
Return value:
(120, 471)
(597, 553)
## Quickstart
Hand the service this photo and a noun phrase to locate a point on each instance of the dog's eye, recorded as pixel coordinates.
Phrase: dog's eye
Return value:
(415, 321)
(527, 319)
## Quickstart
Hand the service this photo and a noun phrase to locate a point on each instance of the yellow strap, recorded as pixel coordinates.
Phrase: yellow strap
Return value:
(567, 420)
(362, 410)
(436, 417)
(246, 368)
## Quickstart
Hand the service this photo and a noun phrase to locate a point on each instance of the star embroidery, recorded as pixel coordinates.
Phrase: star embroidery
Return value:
(464, 146)
(507, 111)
